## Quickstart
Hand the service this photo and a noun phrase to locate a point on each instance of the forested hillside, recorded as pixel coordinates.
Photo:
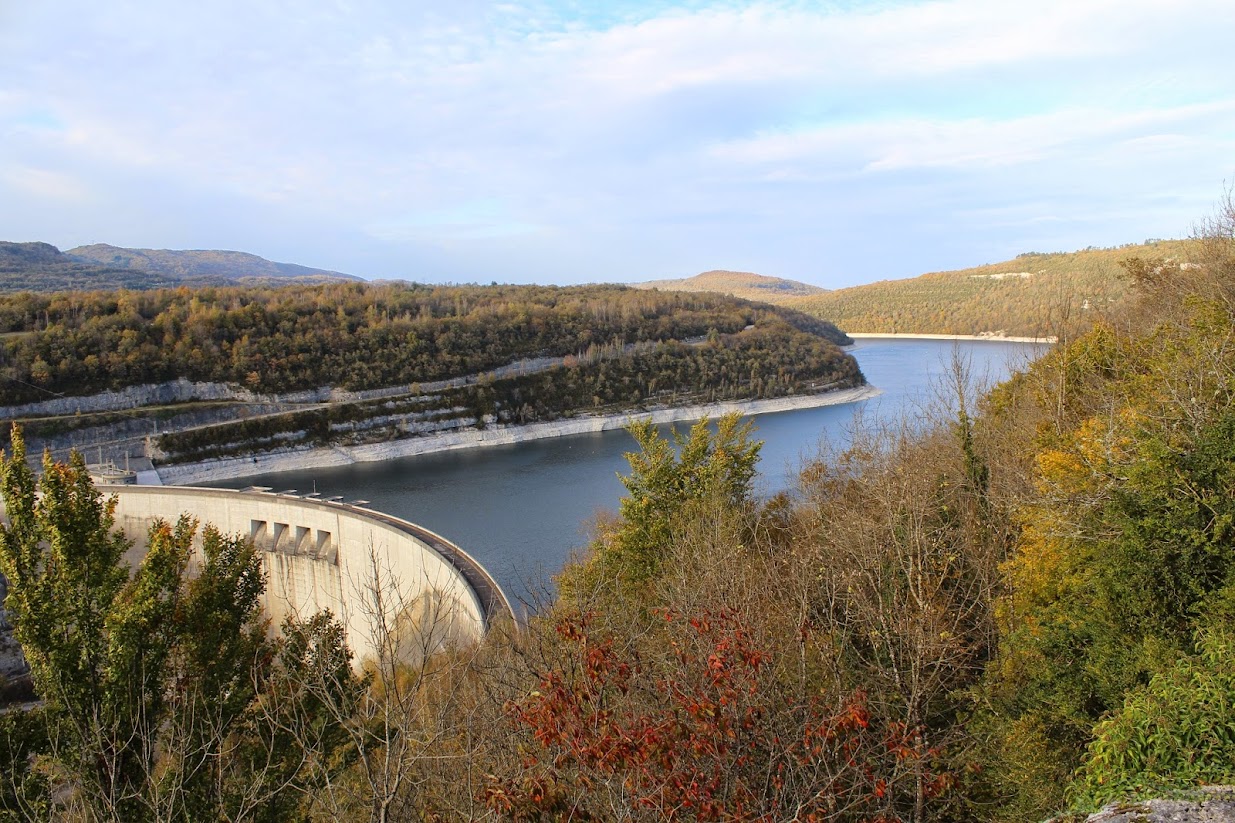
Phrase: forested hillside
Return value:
(41, 267)
(1034, 295)
(771, 360)
(352, 336)
(199, 264)
(1021, 604)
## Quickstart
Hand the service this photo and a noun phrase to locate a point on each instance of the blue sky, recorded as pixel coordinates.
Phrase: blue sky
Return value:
(835, 143)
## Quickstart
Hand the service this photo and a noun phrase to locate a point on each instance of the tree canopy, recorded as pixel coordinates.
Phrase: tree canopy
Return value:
(154, 685)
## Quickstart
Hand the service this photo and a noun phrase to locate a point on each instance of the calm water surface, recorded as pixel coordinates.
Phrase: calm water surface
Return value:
(522, 509)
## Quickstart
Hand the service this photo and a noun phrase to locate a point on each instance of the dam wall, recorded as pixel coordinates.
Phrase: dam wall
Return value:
(385, 579)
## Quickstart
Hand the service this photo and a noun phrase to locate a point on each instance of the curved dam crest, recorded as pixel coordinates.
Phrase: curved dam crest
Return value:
(378, 574)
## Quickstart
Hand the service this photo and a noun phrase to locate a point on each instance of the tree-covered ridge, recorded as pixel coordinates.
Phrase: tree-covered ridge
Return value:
(44, 268)
(41, 267)
(355, 335)
(199, 263)
(1034, 295)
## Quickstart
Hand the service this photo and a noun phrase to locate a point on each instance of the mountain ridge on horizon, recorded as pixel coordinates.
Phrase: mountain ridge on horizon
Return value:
(41, 267)
(227, 263)
(1026, 295)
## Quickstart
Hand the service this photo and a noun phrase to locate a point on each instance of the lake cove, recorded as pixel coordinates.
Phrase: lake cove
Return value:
(521, 509)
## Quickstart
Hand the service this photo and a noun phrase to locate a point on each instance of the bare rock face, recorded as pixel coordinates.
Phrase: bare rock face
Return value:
(1212, 804)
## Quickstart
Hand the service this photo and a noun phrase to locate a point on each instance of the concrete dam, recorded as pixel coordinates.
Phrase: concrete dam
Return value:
(389, 582)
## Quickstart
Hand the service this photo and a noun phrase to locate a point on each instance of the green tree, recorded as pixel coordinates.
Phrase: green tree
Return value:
(63, 564)
(162, 698)
(669, 478)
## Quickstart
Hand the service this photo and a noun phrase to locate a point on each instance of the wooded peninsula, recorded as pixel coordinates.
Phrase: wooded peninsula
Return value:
(452, 356)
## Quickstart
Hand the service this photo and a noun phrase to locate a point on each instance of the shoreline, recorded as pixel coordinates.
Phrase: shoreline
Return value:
(229, 468)
(989, 338)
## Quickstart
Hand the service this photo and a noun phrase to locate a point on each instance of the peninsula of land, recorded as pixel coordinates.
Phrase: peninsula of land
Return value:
(360, 371)
(211, 471)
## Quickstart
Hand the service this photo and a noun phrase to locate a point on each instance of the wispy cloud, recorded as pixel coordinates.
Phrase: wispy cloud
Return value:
(532, 134)
(973, 144)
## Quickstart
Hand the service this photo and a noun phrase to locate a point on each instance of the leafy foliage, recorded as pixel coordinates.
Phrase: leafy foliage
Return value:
(700, 733)
(668, 479)
(1175, 733)
(1126, 544)
(154, 686)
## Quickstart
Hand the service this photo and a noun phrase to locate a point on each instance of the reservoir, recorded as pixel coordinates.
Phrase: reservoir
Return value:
(522, 509)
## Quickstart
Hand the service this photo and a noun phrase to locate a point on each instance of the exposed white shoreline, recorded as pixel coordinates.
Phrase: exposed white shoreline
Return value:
(994, 338)
(210, 471)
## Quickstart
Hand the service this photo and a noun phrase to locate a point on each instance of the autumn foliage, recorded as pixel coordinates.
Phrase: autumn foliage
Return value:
(1022, 600)
(701, 731)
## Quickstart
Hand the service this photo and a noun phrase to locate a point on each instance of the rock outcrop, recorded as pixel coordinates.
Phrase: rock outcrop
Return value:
(1211, 804)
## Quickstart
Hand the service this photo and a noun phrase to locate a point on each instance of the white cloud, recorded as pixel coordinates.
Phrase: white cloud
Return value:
(391, 118)
(972, 144)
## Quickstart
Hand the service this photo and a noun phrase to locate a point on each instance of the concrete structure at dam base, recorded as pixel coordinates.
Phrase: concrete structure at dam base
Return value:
(376, 573)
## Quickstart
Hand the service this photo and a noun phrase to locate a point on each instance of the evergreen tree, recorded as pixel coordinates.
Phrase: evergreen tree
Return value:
(669, 479)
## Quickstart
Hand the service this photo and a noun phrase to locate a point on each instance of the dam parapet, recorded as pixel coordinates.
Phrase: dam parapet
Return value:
(376, 573)
(389, 582)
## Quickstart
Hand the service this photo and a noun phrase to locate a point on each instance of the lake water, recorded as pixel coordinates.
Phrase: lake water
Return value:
(522, 509)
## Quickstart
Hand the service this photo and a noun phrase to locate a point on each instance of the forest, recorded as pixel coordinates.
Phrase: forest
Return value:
(1034, 295)
(768, 360)
(1022, 606)
(350, 336)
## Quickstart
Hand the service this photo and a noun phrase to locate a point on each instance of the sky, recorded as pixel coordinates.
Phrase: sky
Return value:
(563, 141)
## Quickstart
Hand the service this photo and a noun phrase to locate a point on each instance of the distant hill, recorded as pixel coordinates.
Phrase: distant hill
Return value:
(41, 267)
(1030, 295)
(739, 284)
(186, 265)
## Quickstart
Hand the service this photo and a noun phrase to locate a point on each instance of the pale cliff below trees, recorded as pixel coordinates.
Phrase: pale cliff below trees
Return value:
(237, 372)
(467, 436)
